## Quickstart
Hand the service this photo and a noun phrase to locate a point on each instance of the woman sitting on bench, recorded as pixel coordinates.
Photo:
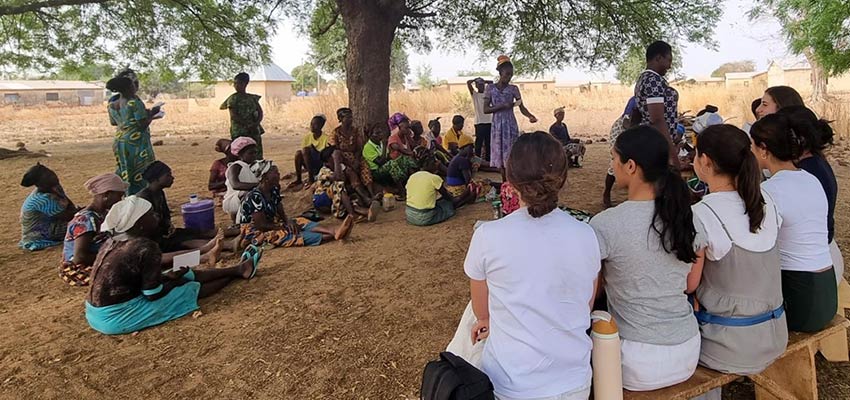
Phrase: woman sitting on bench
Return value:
(647, 248)
(739, 298)
(808, 278)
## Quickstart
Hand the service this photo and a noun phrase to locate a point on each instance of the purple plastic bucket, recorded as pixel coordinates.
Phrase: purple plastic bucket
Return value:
(199, 216)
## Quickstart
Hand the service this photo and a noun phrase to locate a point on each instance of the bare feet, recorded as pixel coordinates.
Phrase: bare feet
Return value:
(237, 244)
(212, 243)
(215, 253)
(373, 211)
(246, 268)
(345, 228)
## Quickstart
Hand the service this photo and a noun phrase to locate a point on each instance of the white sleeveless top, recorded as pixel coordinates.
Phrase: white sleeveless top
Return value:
(232, 202)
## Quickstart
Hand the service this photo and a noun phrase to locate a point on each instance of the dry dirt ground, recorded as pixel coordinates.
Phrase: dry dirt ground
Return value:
(344, 320)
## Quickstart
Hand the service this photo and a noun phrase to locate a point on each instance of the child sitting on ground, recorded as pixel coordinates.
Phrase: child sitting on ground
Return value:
(423, 207)
(313, 154)
(218, 170)
(459, 178)
(574, 147)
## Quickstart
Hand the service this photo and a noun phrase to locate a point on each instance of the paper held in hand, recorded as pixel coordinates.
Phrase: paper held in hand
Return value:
(190, 259)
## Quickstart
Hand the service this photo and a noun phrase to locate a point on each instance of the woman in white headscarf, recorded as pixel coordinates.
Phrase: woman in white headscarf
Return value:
(129, 291)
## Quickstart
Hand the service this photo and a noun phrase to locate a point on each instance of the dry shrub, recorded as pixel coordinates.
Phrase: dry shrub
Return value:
(590, 113)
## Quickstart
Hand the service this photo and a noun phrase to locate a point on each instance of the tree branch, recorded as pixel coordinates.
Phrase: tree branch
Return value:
(36, 6)
(330, 25)
(415, 14)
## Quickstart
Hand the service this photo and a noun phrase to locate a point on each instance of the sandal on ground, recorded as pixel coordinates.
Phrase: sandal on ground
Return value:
(254, 254)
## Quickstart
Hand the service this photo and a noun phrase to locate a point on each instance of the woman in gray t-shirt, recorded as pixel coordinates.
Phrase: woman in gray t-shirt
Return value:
(647, 248)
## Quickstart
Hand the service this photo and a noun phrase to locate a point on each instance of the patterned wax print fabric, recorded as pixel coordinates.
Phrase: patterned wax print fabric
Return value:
(132, 144)
(39, 227)
(247, 107)
(652, 88)
(505, 130)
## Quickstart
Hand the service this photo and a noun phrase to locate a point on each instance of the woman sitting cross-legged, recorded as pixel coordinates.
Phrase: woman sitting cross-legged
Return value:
(647, 248)
(423, 207)
(46, 211)
(265, 222)
(739, 288)
(128, 290)
(84, 237)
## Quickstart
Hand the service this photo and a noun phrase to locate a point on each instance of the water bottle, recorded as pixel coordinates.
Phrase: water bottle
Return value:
(606, 357)
(193, 198)
(389, 202)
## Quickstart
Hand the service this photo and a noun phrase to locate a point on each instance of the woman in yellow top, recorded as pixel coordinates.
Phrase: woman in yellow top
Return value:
(423, 207)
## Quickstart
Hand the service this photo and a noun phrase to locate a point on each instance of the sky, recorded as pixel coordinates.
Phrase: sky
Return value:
(736, 37)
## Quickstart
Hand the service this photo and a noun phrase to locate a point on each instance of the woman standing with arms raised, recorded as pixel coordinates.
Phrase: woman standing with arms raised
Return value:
(132, 145)
(500, 99)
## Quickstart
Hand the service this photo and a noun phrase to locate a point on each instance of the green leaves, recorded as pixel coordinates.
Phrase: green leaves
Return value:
(820, 28)
(545, 35)
(204, 38)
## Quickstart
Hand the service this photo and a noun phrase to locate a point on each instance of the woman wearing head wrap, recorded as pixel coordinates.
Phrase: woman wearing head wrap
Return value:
(264, 220)
(170, 238)
(129, 291)
(84, 238)
(348, 142)
(132, 145)
(218, 171)
(46, 211)
(240, 179)
(500, 99)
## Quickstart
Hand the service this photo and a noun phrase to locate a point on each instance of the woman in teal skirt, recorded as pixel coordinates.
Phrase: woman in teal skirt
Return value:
(132, 145)
(129, 290)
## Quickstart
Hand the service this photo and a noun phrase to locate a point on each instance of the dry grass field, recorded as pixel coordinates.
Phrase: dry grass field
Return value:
(353, 320)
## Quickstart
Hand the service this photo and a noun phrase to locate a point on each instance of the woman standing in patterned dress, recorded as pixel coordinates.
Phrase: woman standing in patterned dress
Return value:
(500, 99)
(132, 145)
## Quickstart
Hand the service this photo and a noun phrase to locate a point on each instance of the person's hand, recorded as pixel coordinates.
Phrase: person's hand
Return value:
(154, 111)
(532, 119)
(481, 330)
(176, 275)
(294, 228)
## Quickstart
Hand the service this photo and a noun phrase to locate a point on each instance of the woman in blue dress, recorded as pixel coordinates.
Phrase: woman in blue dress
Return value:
(500, 99)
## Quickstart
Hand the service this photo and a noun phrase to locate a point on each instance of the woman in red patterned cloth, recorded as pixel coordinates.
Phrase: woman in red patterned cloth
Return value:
(348, 143)
(218, 170)
(83, 239)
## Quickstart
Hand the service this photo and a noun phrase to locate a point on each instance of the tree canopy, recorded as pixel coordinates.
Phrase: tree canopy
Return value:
(205, 38)
(820, 28)
(306, 77)
(328, 45)
(734, 66)
(629, 69)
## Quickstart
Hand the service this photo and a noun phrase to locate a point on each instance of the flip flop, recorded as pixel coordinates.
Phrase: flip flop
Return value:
(254, 254)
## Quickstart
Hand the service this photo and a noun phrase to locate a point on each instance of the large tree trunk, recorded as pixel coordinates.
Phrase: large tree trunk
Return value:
(370, 27)
(820, 78)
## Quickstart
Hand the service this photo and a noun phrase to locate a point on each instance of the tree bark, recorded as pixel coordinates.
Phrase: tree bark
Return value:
(820, 78)
(370, 27)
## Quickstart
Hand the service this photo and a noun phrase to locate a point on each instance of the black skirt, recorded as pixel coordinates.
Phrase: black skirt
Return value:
(811, 299)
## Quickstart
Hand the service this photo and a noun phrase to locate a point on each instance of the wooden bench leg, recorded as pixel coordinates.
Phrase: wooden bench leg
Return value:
(843, 296)
(834, 347)
(793, 374)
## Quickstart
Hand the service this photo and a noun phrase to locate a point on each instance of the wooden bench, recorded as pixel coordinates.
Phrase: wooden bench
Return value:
(791, 377)
(835, 347)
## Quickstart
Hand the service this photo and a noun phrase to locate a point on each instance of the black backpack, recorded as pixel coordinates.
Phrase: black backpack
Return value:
(452, 378)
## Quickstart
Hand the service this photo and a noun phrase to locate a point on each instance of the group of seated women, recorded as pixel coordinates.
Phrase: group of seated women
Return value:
(719, 283)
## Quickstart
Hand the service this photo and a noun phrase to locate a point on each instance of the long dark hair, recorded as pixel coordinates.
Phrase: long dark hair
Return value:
(650, 151)
(729, 148)
(774, 132)
(537, 169)
(816, 132)
(784, 96)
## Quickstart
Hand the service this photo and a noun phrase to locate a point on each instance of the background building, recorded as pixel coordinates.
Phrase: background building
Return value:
(74, 93)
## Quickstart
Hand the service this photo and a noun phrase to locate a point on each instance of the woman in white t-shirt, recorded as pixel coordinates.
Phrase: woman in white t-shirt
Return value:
(808, 278)
(739, 293)
(532, 282)
(647, 245)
